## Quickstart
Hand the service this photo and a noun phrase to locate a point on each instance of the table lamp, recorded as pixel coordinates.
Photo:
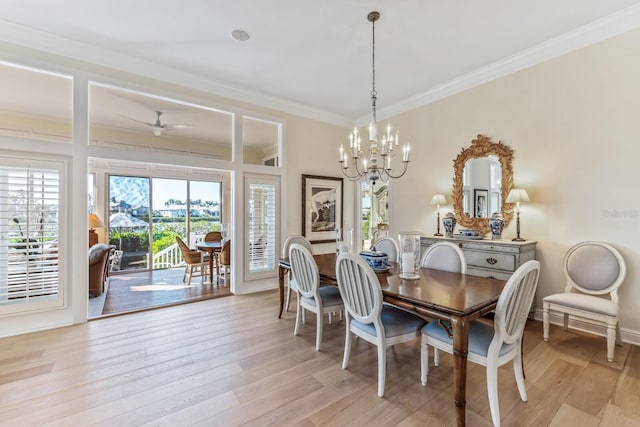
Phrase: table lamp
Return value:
(94, 222)
(437, 200)
(517, 195)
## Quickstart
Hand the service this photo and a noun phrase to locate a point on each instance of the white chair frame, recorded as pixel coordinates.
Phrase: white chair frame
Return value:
(389, 246)
(362, 296)
(310, 296)
(587, 303)
(509, 322)
(444, 256)
(291, 284)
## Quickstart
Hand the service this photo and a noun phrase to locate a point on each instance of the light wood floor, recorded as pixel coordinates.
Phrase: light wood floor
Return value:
(230, 361)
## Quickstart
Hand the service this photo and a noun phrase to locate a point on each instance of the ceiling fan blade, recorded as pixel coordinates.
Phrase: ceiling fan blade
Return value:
(177, 126)
(135, 120)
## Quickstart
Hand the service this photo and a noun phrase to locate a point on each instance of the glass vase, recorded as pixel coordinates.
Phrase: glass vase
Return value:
(344, 240)
(409, 245)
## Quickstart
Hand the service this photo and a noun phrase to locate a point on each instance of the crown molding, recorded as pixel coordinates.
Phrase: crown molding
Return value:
(597, 31)
(77, 51)
(602, 29)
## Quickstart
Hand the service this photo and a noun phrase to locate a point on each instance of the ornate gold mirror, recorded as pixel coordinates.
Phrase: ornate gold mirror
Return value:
(483, 177)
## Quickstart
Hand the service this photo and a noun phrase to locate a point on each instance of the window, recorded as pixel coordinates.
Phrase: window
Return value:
(30, 207)
(261, 224)
(261, 141)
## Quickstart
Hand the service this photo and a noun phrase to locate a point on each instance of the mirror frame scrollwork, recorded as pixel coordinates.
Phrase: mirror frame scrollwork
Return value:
(481, 147)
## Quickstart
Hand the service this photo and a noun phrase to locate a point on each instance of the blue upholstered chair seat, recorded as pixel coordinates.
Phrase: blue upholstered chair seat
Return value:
(396, 322)
(329, 294)
(480, 336)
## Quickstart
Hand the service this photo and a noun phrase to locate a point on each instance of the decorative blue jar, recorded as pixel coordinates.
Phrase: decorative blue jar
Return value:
(496, 224)
(449, 223)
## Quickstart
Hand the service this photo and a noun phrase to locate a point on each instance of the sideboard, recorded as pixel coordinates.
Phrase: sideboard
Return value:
(487, 257)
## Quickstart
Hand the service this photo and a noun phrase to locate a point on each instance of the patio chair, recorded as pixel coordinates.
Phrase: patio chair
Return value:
(213, 236)
(224, 258)
(195, 261)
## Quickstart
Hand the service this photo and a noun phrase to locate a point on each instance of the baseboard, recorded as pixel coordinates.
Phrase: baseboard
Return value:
(628, 335)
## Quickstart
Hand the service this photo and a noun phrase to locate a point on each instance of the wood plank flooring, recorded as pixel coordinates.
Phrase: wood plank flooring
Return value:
(150, 289)
(231, 361)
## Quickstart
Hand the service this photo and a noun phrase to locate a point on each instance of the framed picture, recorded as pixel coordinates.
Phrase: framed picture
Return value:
(480, 200)
(321, 207)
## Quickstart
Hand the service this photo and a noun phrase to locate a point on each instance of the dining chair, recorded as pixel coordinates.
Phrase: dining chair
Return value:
(592, 270)
(367, 317)
(491, 345)
(389, 246)
(213, 236)
(444, 256)
(291, 284)
(311, 296)
(196, 263)
(224, 259)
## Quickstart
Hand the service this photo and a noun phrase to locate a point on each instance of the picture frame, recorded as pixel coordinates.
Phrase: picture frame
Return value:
(480, 203)
(322, 201)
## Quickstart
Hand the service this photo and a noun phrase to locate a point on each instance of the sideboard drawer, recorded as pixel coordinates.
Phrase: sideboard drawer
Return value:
(487, 257)
(492, 260)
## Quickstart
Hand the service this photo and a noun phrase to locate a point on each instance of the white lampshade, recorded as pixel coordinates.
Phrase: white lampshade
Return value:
(438, 199)
(517, 195)
(95, 221)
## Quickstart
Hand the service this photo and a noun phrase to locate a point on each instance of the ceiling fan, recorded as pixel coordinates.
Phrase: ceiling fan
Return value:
(158, 127)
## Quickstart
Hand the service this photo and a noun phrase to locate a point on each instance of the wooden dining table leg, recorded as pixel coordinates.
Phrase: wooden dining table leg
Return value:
(282, 271)
(460, 328)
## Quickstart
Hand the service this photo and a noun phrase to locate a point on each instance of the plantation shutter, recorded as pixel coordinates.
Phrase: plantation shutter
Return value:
(30, 201)
(262, 224)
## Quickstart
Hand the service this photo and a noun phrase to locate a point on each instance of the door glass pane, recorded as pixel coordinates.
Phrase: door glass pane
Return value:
(205, 208)
(129, 220)
(169, 220)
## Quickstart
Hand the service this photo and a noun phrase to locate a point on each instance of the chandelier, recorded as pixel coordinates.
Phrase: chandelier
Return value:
(376, 159)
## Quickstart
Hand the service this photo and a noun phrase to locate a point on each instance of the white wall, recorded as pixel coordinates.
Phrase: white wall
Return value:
(306, 150)
(574, 125)
(572, 122)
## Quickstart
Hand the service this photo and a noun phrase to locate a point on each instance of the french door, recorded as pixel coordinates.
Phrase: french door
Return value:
(147, 214)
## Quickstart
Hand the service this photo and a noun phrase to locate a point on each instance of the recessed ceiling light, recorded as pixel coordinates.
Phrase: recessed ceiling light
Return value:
(240, 35)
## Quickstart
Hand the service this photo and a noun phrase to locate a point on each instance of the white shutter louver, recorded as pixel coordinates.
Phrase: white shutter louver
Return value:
(30, 213)
(261, 221)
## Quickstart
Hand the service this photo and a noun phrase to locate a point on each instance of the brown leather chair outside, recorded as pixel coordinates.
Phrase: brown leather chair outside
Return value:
(99, 255)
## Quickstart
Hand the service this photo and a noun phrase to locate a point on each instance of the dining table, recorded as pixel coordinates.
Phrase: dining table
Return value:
(443, 295)
(213, 249)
